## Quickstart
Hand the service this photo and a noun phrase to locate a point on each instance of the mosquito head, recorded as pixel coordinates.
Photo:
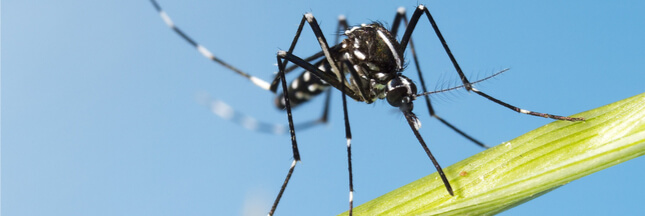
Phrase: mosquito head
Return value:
(400, 92)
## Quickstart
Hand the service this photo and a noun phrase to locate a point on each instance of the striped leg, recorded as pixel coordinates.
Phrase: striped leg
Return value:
(401, 16)
(414, 125)
(292, 131)
(421, 9)
(336, 80)
(348, 137)
(224, 110)
(205, 52)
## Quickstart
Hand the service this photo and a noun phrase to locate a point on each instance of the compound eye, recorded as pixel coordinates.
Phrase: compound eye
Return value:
(395, 96)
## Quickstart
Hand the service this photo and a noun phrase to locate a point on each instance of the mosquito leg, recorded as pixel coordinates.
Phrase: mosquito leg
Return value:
(329, 78)
(348, 136)
(325, 115)
(284, 186)
(323, 44)
(342, 25)
(331, 62)
(528, 112)
(468, 85)
(274, 84)
(205, 52)
(284, 57)
(225, 111)
(334, 81)
(292, 131)
(401, 16)
(412, 121)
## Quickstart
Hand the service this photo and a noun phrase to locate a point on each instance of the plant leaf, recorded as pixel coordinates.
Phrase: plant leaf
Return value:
(526, 167)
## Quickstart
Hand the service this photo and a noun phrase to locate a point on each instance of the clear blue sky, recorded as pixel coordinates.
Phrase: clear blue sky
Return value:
(100, 116)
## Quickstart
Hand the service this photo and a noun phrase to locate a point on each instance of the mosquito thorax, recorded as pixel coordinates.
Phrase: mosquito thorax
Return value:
(376, 56)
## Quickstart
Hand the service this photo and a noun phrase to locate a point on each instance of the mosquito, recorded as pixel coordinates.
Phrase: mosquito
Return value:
(367, 65)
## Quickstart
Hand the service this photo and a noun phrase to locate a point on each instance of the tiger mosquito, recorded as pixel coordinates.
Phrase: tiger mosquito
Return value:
(366, 66)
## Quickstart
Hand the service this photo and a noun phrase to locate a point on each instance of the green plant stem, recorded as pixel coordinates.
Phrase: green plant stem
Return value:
(526, 167)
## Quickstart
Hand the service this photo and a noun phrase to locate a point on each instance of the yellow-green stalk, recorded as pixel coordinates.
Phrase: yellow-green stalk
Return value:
(526, 167)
